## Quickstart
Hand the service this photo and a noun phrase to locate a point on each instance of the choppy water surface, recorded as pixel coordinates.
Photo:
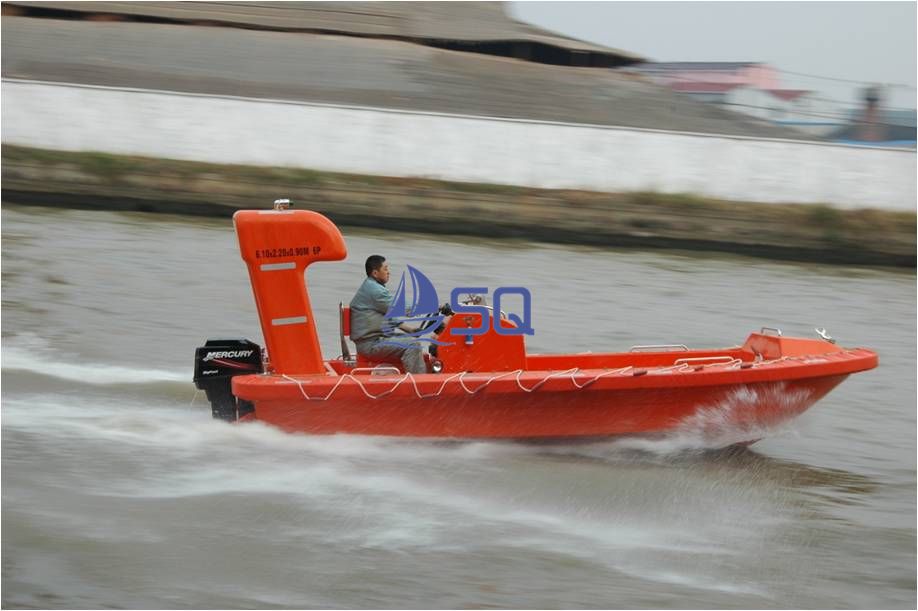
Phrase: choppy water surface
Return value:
(117, 491)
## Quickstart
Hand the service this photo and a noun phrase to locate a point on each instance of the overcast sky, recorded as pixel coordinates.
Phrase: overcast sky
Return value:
(871, 42)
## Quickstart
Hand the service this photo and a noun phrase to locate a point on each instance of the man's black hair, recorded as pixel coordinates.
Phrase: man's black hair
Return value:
(374, 262)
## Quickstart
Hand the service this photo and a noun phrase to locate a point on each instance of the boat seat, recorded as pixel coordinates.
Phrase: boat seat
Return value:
(344, 324)
(344, 330)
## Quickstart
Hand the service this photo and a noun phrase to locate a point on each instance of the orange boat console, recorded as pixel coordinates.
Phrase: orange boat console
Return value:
(488, 386)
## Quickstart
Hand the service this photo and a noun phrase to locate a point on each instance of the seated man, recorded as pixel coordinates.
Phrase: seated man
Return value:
(368, 311)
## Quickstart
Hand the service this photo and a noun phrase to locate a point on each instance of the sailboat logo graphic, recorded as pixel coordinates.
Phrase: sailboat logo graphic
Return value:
(423, 310)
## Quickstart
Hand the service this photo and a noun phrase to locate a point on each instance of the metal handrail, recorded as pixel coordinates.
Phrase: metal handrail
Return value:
(698, 359)
(661, 347)
(775, 329)
(502, 313)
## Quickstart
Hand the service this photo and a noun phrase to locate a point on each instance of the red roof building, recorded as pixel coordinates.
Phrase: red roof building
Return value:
(747, 74)
(750, 88)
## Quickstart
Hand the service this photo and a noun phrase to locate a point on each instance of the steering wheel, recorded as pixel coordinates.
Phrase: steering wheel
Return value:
(445, 310)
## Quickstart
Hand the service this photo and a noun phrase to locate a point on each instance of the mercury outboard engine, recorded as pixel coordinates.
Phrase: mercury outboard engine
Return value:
(215, 364)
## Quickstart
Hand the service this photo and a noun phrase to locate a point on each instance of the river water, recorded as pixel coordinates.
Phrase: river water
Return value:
(119, 490)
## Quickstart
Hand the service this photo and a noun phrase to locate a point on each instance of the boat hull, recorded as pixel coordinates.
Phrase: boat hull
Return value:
(710, 411)
(740, 393)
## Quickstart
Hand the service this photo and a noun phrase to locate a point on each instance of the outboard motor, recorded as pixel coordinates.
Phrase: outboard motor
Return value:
(215, 364)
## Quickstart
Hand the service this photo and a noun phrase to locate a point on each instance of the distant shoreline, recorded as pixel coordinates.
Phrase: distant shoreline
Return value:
(643, 220)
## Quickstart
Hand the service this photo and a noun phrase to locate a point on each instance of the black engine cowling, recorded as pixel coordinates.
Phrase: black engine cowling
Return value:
(215, 364)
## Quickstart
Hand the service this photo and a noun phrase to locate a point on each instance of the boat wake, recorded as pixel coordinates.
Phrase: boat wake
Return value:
(41, 362)
(731, 422)
(737, 418)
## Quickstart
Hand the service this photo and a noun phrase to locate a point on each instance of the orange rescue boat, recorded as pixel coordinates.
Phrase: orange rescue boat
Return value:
(490, 387)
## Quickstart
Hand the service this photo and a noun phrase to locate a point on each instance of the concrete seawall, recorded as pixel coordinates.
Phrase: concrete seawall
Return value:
(641, 219)
(382, 142)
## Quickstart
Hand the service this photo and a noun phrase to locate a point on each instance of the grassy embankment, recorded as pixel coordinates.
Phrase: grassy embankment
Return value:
(642, 220)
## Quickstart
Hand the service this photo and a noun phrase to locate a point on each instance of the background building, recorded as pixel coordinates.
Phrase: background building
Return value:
(751, 88)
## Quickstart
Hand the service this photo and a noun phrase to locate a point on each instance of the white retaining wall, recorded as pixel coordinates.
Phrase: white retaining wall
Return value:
(475, 149)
